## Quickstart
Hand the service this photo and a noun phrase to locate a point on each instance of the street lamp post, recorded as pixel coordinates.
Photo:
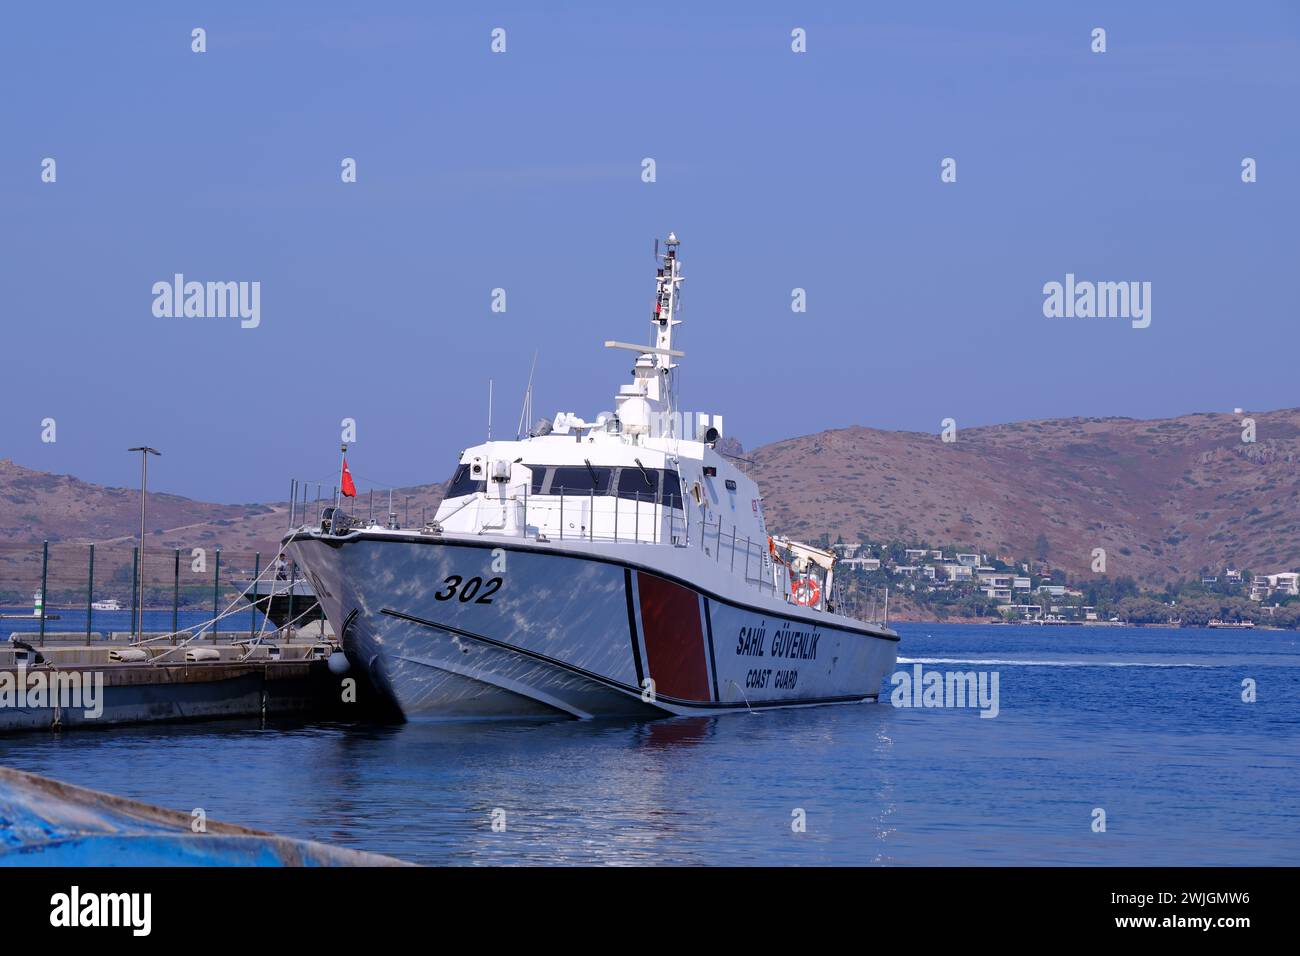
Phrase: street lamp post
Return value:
(145, 451)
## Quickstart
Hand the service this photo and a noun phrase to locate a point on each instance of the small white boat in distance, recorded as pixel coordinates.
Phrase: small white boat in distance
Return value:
(617, 566)
(108, 604)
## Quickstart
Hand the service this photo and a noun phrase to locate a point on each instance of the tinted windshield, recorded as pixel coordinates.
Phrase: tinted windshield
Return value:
(638, 483)
(580, 480)
(654, 485)
(463, 484)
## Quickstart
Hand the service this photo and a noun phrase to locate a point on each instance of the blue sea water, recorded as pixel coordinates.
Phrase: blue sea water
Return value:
(1148, 725)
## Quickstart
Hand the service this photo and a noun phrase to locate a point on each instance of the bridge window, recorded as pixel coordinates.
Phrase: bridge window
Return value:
(663, 486)
(655, 486)
(462, 484)
(580, 480)
(633, 483)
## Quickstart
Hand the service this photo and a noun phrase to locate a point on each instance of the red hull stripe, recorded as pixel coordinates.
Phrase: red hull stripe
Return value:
(674, 640)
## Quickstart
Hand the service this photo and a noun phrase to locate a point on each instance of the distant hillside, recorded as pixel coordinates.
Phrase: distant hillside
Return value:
(36, 505)
(1163, 497)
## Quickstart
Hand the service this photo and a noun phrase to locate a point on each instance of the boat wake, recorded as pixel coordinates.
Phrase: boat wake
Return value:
(1005, 662)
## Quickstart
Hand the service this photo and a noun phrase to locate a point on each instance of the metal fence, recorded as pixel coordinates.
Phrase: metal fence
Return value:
(54, 581)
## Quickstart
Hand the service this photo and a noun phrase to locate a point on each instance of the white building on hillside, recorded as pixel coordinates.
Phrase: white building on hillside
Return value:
(1282, 584)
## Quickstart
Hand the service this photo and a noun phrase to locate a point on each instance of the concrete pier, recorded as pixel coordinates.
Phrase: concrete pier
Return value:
(78, 685)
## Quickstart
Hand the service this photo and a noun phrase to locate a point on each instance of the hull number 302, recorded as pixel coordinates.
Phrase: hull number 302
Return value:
(467, 591)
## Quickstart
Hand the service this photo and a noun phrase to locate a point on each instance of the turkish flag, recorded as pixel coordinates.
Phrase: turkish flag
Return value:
(348, 488)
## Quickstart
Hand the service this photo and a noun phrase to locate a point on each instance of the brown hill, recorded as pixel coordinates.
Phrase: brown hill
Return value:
(1163, 498)
(36, 505)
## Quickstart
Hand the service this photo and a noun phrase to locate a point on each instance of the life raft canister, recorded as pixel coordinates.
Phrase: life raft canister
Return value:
(806, 591)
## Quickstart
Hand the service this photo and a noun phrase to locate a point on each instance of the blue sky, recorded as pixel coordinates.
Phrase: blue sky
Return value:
(522, 171)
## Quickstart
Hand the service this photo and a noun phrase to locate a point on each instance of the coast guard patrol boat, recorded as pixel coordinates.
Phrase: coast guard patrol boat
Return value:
(620, 566)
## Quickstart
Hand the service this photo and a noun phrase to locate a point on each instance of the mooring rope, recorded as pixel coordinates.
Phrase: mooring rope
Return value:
(194, 632)
(233, 643)
(230, 609)
(257, 643)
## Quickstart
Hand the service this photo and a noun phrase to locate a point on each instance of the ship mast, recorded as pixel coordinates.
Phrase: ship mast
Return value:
(665, 313)
(645, 406)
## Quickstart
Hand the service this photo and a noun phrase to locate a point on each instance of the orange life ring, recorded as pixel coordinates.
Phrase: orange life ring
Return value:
(806, 591)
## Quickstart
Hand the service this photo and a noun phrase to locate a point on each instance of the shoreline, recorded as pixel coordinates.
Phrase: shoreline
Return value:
(1084, 625)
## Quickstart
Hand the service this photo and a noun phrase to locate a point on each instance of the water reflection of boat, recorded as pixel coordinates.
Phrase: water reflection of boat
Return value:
(670, 734)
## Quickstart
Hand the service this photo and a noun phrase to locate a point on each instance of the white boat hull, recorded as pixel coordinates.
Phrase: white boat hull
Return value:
(456, 627)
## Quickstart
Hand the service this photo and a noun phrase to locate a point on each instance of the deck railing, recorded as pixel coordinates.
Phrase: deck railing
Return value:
(637, 519)
(634, 519)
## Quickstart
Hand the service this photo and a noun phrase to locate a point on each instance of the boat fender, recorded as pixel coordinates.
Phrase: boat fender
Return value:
(127, 655)
(199, 655)
(31, 655)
